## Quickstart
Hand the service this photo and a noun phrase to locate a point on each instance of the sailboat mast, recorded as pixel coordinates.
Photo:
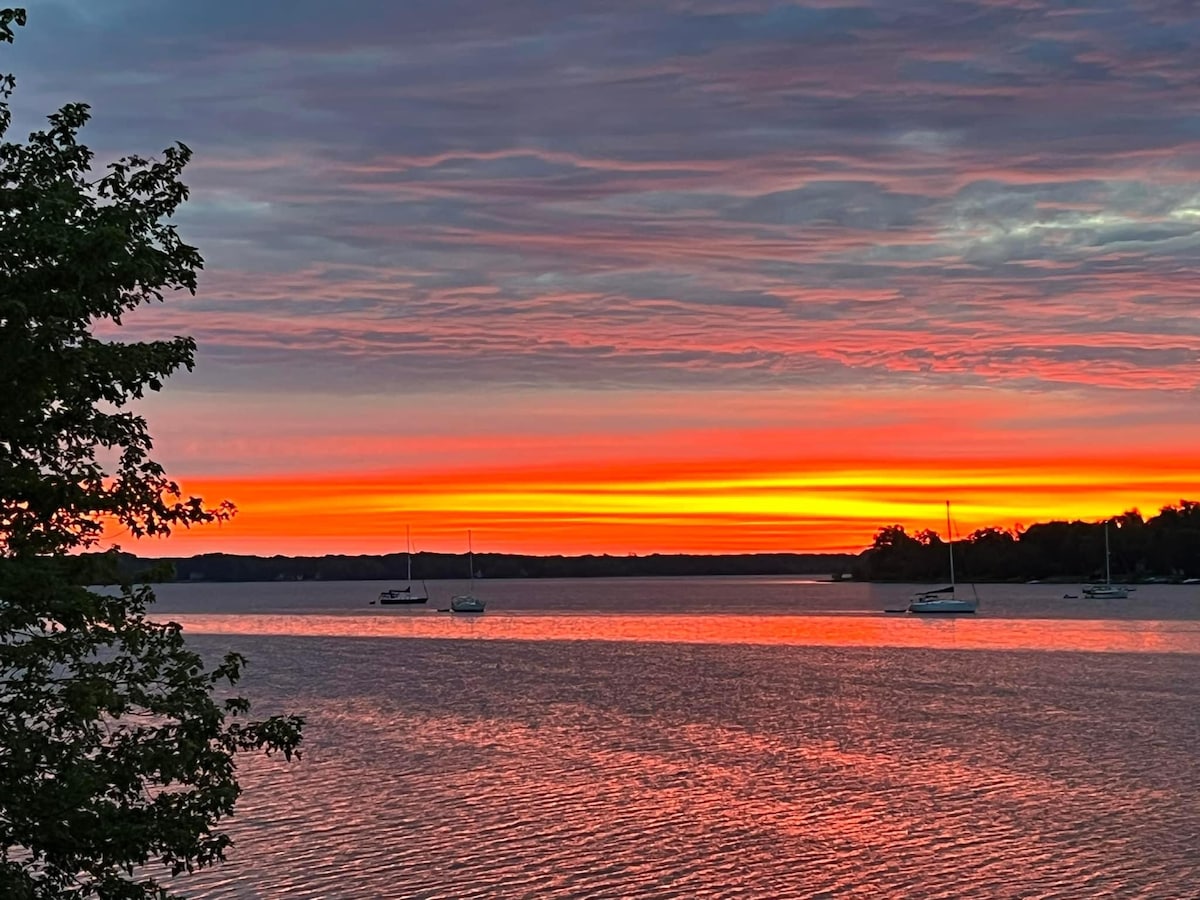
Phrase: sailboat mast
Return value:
(471, 558)
(408, 550)
(1107, 564)
(950, 542)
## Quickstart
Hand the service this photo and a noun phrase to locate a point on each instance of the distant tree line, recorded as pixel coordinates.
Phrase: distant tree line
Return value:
(435, 566)
(1164, 547)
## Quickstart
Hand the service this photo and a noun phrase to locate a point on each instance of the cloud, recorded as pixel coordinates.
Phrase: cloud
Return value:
(624, 195)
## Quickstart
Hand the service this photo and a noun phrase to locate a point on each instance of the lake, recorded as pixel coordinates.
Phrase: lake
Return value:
(715, 737)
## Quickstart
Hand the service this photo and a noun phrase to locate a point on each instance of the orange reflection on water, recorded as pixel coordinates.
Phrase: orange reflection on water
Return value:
(949, 633)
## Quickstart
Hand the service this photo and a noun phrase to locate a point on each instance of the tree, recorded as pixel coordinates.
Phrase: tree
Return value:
(116, 752)
(927, 537)
(890, 536)
(896, 555)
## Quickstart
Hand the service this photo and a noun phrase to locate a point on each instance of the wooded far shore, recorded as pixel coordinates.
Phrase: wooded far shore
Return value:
(449, 566)
(1164, 548)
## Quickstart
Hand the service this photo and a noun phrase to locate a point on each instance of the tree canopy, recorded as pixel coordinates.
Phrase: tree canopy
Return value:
(116, 753)
(1165, 546)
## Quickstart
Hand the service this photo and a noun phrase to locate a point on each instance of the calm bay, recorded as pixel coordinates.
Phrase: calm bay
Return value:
(717, 737)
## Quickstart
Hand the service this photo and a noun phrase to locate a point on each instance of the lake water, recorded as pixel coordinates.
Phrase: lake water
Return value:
(712, 738)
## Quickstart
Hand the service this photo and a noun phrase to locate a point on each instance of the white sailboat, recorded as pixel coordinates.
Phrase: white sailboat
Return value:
(404, 594)
(468, 602)
(943, 600)
(1108, 590)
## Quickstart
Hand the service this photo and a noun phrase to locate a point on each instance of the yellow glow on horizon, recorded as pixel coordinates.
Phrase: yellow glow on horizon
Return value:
(722, 506)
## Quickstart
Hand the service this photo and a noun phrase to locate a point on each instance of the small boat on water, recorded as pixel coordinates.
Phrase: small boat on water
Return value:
(468, 602)
(942, 600)
(934, 602)
(400, 595)
(1108, 590)
(393, 596)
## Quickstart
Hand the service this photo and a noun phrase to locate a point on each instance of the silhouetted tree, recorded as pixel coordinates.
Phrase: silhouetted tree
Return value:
(116, 758)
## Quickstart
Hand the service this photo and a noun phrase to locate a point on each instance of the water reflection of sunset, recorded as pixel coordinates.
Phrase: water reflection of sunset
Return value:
(952, 633)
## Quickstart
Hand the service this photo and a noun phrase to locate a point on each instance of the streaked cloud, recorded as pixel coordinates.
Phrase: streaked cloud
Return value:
(460, 204)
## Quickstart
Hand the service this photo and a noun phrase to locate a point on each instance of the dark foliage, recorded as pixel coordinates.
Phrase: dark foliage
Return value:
(229, 567)
(116, 755)
(1165, 547)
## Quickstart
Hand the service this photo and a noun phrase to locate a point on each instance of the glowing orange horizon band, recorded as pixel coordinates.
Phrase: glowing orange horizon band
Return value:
(722, 506)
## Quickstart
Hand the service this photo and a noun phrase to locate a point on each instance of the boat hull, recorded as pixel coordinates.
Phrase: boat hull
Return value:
(943, 600)
(397, 596)
(466, 605)
(1107, 593)
(941, 606)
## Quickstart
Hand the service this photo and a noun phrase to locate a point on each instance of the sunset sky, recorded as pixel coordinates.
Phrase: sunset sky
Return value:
(614, 276)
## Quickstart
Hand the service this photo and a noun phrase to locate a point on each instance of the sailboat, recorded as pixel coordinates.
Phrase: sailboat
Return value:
(468, 602)
(942, 600)
(1108, 590)
(404, 594)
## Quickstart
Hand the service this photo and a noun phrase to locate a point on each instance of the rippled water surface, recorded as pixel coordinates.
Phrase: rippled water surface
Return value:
(672, 738)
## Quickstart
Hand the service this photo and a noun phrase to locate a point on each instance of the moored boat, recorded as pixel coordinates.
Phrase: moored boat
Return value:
(933, 602)
(468, 602)
(393, 596)
(400, 595)
(942, 600)
(1108, 590)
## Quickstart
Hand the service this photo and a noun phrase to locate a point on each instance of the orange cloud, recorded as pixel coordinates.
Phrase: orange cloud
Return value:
(719, 506)
(659, 471)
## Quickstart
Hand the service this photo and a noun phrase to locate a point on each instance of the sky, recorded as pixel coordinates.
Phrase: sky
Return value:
(636, 276)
